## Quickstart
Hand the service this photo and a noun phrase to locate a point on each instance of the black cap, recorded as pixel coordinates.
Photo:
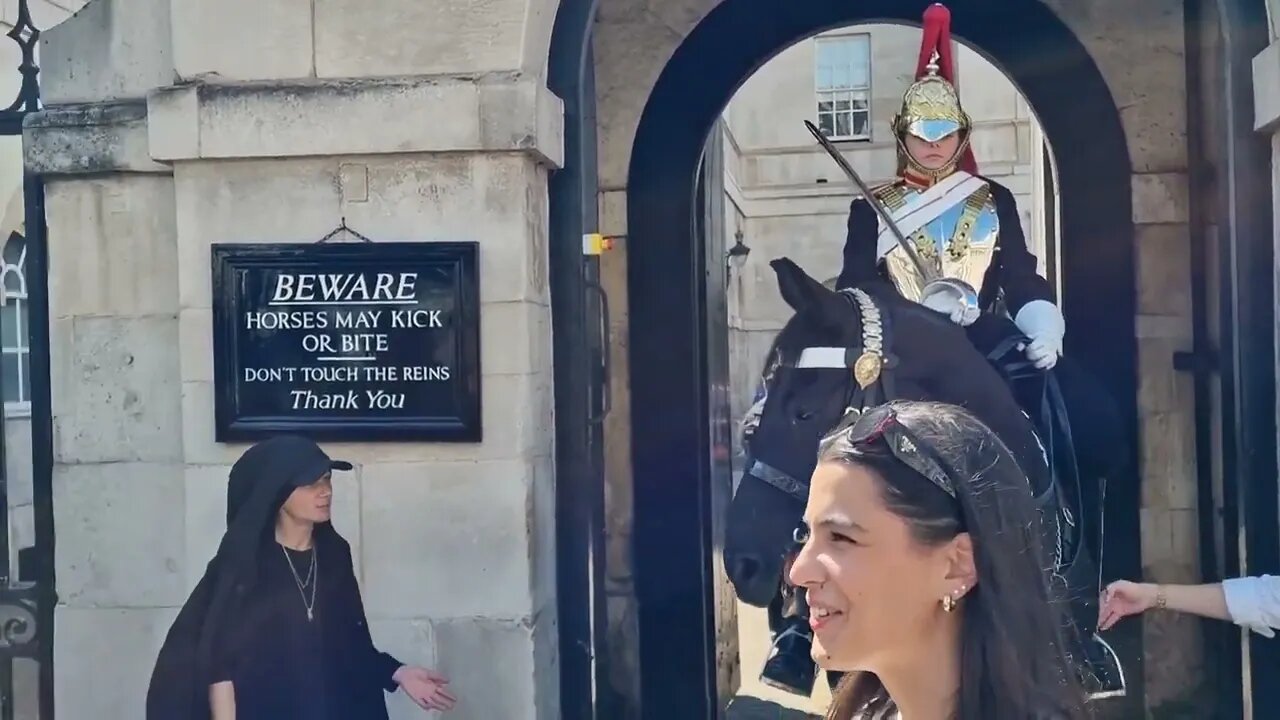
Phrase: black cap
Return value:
(284, 461)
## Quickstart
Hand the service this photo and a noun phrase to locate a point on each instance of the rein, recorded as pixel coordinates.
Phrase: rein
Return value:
(1053, 422)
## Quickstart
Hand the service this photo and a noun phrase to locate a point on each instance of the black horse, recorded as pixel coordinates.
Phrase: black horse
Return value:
(809, 383)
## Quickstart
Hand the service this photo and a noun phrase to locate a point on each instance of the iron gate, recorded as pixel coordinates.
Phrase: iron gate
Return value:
(26, 577)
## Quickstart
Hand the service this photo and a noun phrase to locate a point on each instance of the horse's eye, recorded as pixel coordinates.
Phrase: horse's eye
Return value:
(800, 535)
(803, 414)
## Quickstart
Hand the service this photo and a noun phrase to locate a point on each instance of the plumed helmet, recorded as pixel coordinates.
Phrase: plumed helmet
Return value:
(931, 107)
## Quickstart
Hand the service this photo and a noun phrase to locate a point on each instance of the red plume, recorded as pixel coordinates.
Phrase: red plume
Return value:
(937, 36)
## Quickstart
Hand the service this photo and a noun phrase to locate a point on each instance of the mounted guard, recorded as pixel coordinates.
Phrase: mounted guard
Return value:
(948, 238)
(961, 225)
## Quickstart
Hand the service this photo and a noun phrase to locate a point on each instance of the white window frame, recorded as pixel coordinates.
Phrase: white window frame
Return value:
(832, 96)
(21, 407)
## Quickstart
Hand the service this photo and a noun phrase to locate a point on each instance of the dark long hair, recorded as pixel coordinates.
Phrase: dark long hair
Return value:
(1013, 664)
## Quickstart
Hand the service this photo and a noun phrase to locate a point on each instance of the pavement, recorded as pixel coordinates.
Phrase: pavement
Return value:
(757, 701)
(750, 708)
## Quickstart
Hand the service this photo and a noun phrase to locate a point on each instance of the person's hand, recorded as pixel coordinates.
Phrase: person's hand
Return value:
(1123, 598)
(428, 688)
(1043, 352)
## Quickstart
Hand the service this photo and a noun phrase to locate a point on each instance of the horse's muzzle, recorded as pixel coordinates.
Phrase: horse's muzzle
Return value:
(755, 580)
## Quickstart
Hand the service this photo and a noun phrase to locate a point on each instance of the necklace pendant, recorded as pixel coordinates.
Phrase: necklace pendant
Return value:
(309, 615)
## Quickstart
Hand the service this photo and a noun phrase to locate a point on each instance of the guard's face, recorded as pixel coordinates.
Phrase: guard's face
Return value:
(874, 591)
(311, 503)
(933, 155)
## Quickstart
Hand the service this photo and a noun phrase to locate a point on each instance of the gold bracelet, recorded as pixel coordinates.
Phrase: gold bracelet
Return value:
(1162, 601)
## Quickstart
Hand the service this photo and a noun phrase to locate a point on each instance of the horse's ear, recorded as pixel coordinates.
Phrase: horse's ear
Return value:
(798, 289)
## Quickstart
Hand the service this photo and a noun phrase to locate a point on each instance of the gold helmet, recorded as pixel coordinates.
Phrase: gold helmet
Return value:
(931, 107)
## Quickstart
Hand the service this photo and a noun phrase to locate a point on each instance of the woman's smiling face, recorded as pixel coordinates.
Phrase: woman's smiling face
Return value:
(874, 591)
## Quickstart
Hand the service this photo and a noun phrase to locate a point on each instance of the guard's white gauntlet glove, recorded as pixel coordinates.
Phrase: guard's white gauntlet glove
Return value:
(1042, 322)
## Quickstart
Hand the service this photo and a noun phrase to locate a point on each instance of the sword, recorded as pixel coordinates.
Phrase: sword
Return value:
(927, 272)
(934, 283)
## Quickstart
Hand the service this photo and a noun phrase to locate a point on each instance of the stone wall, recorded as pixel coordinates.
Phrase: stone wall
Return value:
(1151, 95)
(163, 136)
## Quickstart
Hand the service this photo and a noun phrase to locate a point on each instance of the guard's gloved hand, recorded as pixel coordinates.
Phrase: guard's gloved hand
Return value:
(1042, 322)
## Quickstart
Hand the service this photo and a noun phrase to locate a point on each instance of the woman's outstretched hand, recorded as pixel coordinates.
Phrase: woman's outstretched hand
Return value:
(428, 688)
(1122, 599)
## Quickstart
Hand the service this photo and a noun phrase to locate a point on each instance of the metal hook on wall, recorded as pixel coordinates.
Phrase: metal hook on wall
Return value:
(342, 228)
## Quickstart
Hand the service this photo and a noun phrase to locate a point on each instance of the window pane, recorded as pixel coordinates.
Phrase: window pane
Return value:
(847, 50)
(24, 325)
(825, 124)
(9, 376)
(10, 330)
(25, 388)
(14, 246)
(842, 105)
(860, 101)
(13, 285)
(842, 124)
(860, 64)
(862, 124)
(823, 77)
(827, 53)
(842, 76)
(824, 105)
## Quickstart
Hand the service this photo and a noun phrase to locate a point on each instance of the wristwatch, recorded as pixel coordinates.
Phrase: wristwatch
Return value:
(1162, 601)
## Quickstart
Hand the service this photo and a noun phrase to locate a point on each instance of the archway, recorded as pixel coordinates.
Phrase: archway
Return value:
(676, 359)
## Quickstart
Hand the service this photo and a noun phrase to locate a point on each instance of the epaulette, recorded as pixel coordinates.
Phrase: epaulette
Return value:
(891, 194)
(885, 191)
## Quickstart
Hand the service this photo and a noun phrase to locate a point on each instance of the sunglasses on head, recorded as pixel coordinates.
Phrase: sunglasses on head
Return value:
(881, 425)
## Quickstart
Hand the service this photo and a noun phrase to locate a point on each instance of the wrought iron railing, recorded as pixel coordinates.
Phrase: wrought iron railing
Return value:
(26, 603)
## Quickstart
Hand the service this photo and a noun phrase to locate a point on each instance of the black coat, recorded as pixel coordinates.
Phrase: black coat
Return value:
(213, 630)
(1012, 270)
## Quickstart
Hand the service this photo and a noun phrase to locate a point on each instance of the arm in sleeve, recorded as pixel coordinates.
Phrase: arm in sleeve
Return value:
(1019, 276)
(222, 701)
(380, 666)
(1254, 603)
(859, 265)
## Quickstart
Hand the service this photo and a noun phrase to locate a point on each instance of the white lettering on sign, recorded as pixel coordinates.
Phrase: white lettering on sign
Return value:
(308, 400)
(416, 319)
(344, 288)
(354, 357)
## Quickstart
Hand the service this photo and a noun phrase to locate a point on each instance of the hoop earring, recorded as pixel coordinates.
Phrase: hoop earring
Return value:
(949, 602)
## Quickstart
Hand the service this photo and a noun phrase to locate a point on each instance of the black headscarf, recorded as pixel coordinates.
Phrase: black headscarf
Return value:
(260, 482)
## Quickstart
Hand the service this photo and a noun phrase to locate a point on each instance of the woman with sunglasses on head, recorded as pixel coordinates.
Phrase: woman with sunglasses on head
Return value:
(923, 573)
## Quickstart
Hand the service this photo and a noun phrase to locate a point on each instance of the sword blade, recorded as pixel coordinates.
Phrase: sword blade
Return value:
(926, 271)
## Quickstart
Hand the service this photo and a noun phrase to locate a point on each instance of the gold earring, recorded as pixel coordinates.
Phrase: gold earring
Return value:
(948, 603)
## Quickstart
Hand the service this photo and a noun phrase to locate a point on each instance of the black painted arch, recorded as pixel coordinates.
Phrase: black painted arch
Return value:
(670, 387)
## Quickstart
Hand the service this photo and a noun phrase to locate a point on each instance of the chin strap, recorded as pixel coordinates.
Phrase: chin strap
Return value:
(1042, 322)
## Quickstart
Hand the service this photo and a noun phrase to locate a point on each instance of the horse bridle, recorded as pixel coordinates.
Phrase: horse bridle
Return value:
(870, 364)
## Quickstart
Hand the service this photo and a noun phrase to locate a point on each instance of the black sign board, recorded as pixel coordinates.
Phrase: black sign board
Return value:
(352, 341)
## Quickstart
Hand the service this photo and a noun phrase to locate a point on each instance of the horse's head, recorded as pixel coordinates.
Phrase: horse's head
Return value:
(782, 430)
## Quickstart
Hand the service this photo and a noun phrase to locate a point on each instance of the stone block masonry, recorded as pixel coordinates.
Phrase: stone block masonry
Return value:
(171, 126)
